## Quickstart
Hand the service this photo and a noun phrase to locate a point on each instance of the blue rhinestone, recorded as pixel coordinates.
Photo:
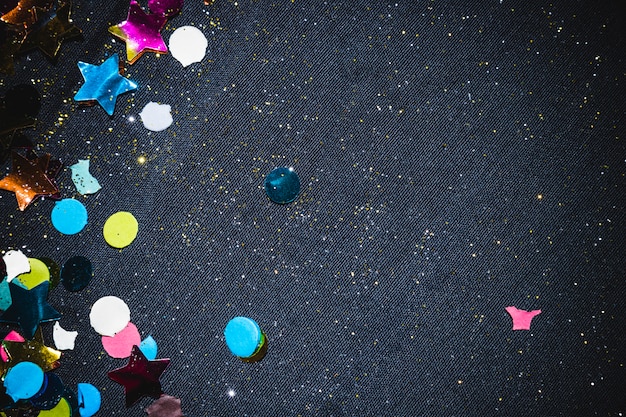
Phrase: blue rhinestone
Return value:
(282, 185)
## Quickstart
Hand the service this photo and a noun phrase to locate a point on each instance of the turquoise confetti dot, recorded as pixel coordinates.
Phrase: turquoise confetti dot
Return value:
(23, 381)
(69, 216)
(149, 348)
(282, 185)
(89, 399)
(243, 336)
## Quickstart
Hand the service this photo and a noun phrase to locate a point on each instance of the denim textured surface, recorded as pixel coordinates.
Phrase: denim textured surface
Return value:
(455, 158)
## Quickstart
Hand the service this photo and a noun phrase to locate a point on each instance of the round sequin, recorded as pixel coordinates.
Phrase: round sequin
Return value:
(62, 409)
(120, 229)
(38, 274)
(69, 216)
(188, 45)
(23, 381)
(120, 345)
(76, 273)
(243, 336)
(50, 396)
(55, 272)
(282, 185)
(89, 399)
(109, 315)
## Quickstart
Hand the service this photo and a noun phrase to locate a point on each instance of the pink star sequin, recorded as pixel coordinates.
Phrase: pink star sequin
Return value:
(141, 32)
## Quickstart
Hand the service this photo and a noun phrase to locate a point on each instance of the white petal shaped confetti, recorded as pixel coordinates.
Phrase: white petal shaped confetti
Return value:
(63, 339)
(109, 315)
(156, 117)
(188, 45)
(83, 180)
(16, 263)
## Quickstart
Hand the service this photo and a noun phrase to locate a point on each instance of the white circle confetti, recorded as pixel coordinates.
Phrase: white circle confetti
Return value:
(188, 45)
(156, 117)
(109, 316)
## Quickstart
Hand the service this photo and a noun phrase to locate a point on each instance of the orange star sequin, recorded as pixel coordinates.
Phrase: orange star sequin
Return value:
(28, 181)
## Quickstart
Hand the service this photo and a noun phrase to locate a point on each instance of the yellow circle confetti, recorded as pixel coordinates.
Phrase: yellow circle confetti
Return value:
(62, 409)
(39, 273)
(120, 229)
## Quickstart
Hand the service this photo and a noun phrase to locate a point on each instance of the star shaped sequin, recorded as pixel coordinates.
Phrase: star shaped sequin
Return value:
(11, 38)
(141, 32)
(28, 181)
(54, 27)
(103, 83)
(29, 308)
(140, 377)
(34, 351)
(24, 13)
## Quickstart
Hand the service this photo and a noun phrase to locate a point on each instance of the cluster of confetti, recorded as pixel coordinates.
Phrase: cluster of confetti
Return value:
(26, 363)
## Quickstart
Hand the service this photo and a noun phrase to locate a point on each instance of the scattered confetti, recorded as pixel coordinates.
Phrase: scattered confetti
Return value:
(109, 315)
(5, 294)
(140, 377)
(141, 32)
(165, 406)
(69, 216)
(16, 263)
(521, 318)
(121, 345)
(156, 117)
(34, 351)
(12, 336)
(149, 348)
(23, 380)
(62, 409)
(120, 229)
(76, 273)
(50, 394)
(167, 8)
(282, 185)
(29, 308)
(54, 27)
(38, 273)
(28, 181)
(63, 339)
(188, 45)
(103, 83)
(245, 339)
(89, 399)
(83, 180)
(55, 271)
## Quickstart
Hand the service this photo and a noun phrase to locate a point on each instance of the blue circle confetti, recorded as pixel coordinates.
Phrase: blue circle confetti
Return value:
(69, 216)
(89, 399)
(282, 185)
(76, 273)
(23, 381)
(243, 336)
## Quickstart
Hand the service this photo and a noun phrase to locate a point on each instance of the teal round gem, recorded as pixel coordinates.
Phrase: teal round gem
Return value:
(282, 185)
(243, 336)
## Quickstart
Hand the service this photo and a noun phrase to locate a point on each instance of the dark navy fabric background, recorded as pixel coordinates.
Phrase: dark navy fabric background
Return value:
(456, 157)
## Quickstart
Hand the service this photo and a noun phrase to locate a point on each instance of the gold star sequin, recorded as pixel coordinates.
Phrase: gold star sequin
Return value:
(34, 351)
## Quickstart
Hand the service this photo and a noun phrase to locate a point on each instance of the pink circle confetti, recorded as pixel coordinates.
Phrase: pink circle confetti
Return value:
(120, 345)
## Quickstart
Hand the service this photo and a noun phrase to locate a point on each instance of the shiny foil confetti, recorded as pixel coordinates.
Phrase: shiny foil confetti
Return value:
(29, 308)
(140, 377)
(103, 83)
(141, 32)
(28, 181)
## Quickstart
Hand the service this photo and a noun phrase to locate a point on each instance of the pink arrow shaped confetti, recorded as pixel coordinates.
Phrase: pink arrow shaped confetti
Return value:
(521, 318)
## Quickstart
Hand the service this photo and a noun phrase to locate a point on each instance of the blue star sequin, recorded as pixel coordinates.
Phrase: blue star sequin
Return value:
(29, 308)
(103, 83)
